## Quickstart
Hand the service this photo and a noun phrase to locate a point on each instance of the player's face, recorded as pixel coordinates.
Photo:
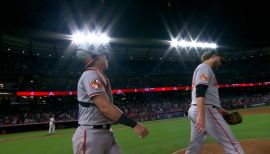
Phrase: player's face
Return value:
(217, 62)
(104, 61)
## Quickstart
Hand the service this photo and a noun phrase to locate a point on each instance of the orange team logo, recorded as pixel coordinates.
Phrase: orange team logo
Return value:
(204, 77)
(96, 84)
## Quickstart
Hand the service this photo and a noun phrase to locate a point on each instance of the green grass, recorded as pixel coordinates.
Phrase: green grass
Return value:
(166, 136)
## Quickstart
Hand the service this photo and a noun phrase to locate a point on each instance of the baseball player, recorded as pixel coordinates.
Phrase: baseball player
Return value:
(206, 112)
(96, 109)
(51, 125)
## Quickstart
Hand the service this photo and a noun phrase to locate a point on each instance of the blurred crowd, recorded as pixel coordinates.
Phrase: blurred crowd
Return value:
(52, 74)
(28, 73)
(141, 107)
(156, 109)
(36, 117)
(245, 101)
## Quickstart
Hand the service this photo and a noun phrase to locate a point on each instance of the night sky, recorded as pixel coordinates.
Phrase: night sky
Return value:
(241, 25)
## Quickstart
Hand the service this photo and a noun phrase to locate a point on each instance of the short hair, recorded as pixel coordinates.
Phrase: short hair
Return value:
(82, 55)
(208, 54)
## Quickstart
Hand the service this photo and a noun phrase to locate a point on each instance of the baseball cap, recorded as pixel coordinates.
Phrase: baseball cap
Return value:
(83, 51)
(208, 54)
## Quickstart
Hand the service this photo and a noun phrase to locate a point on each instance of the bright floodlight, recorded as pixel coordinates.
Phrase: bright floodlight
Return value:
(103, 38)
(78, 38)
(91, 38)
(192, 44)
(174, 43)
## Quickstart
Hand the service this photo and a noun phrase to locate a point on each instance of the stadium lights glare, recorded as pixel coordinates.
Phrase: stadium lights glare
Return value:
(91, 38)
(192, 44)
(78, 38)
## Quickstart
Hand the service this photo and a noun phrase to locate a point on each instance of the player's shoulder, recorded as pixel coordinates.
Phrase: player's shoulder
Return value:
(202, 66)
(89, 74)
(93, 75)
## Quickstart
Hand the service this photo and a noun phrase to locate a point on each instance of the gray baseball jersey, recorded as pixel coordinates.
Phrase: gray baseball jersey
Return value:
(92, 83)
(215, 125)
(204, 74)
(86, 139)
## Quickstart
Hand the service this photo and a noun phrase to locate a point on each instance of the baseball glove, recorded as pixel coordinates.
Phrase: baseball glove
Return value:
(233, 118)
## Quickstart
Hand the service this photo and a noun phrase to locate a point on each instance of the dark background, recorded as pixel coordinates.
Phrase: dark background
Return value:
(234, 25)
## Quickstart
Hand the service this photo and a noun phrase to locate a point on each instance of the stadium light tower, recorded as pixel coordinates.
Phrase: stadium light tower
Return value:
(192, 44)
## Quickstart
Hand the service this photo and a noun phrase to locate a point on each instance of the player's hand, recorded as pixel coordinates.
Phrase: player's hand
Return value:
(141, 130)
(223, 111)
(200, 124)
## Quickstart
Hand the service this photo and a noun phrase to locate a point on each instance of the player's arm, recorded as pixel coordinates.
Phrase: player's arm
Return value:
(223, 112)
(113, 113)
(200, 98)
(201, 83)
(97, 92)
(108, 109)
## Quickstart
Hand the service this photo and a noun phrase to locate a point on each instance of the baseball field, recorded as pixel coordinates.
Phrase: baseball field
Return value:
(166, 137)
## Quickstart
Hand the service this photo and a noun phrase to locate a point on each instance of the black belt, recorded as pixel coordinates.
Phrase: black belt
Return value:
(208, 105)
(105, 126)
(86, 104)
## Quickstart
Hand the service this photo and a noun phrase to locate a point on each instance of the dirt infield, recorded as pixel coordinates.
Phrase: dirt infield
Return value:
(252, 146)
